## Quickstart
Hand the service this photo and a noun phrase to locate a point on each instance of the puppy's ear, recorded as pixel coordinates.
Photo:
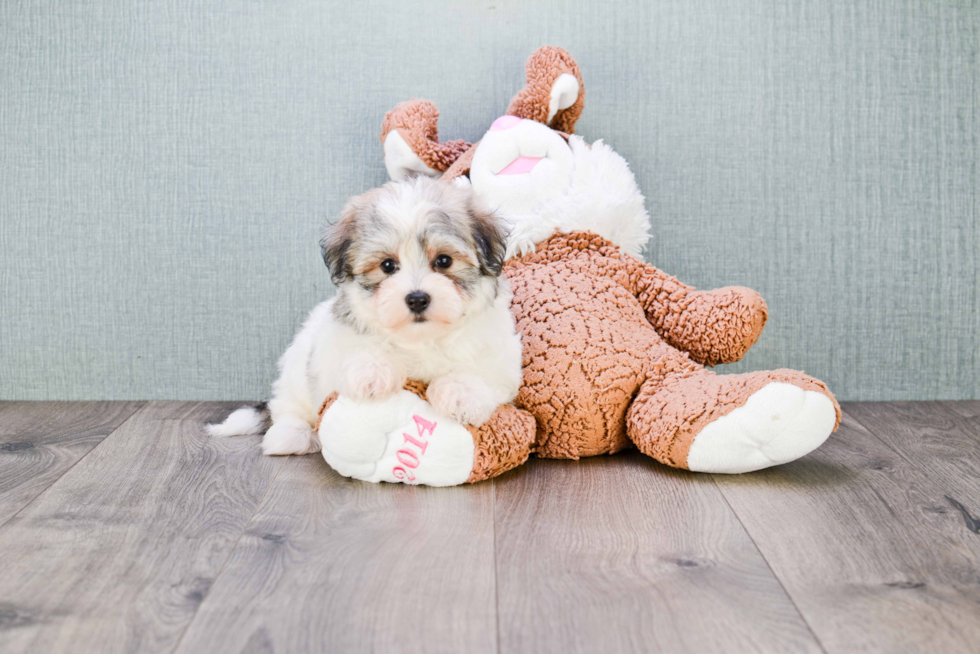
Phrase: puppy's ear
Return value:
(490, 237)
(337, 240)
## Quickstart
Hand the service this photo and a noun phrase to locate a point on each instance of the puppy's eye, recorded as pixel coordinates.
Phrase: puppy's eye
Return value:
(389, 266)
(443, 261)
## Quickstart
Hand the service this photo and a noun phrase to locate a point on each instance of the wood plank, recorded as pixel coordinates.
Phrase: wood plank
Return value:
(622, 554)
(39, 441)
(117, 555)
(330, 564)
(866, 545)
(940, 439)
(965, 408)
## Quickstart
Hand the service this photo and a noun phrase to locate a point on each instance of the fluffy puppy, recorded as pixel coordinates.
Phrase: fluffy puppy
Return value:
(420, 296)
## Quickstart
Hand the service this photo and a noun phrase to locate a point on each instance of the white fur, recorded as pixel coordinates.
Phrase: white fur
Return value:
(367, 375)
(290, 435)
(483, 347)
(523, 193)
(467, 346)
(246, 421)
(601, 195)
(778, 423)
(465, 396)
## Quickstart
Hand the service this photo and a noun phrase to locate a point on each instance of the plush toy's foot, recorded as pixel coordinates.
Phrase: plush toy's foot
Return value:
(403, 439)
(732, 423)
(777, 424)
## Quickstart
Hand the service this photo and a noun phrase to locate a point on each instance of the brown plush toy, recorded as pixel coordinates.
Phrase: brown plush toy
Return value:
(614, 349)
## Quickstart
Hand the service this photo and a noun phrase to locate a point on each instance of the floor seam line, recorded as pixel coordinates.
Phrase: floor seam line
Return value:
(881, 440)
(131, 416)
(779, 581)
(231, 553)
(496, 578)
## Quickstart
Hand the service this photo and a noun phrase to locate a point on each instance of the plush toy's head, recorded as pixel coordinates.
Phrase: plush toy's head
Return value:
(520, 164)
(542, 181)
(529, 167)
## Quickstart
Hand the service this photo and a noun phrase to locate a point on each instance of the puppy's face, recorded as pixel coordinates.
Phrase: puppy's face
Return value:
(413, 258)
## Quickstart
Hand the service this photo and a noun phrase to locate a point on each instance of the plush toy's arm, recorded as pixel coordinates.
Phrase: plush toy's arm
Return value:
(714, 327)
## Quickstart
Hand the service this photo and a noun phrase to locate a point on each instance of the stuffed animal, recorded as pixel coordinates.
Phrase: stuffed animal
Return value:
(615, 351)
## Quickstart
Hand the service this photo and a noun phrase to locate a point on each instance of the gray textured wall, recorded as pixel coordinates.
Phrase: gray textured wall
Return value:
(165, 168)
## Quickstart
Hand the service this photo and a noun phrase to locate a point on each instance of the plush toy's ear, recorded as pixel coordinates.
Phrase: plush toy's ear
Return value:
(491, 238)
(338, 237)
(410, 135)
(554, 93)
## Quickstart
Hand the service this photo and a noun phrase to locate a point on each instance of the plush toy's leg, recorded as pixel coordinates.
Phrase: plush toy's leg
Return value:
(701, 421)
(403, 439)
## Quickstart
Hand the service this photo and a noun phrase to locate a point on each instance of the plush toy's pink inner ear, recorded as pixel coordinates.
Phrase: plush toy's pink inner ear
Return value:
(505, 122)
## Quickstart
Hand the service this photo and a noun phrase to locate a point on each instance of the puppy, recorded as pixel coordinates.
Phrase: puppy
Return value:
(417, 264)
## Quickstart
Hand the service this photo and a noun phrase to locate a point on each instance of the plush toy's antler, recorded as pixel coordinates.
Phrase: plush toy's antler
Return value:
(416, 125)
(554, 93)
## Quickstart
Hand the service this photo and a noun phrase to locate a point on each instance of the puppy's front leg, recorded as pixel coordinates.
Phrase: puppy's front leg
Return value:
(464, 397)
(367, 376)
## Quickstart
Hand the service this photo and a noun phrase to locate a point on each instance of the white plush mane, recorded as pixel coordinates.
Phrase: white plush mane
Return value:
(603, 198)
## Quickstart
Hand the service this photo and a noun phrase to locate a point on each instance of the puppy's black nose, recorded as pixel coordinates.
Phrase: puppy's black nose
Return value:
(417, 301)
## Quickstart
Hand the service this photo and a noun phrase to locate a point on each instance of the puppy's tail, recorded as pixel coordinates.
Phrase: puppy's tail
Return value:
(246, 421)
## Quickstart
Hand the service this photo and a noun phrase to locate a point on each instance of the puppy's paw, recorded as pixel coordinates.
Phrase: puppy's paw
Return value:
(465, 398)
(290, 435)
(366, 377)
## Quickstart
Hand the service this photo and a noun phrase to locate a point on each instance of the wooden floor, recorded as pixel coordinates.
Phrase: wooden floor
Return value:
(123, 528)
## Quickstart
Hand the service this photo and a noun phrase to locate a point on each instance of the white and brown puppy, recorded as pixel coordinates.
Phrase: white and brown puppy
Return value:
(420, 296)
